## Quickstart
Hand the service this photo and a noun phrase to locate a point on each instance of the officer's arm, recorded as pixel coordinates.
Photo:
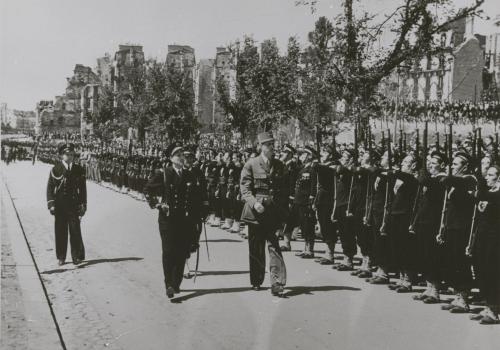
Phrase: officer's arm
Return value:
(83, 189)
(153, 187)
(246, 185)
(50, 192)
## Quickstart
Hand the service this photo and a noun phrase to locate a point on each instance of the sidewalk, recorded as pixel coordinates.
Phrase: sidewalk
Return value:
(26, 321)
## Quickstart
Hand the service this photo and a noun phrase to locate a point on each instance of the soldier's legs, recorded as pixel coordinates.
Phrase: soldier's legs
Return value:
(257, 253)
(168, 256)
(346, 233)
(328, 230)
(61, 234)
(307, 222)
(277, 268)
(75, 236)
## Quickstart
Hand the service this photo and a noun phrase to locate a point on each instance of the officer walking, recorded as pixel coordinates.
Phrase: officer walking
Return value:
(175, 185)
(67, 201)
(264, 189)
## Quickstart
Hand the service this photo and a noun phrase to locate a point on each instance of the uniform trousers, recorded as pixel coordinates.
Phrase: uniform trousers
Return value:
(307, 221)
(67, 220)
(457, 266)
(487, 255)
(258, 235)
(345, 227)
(175, 246)
(326, 226)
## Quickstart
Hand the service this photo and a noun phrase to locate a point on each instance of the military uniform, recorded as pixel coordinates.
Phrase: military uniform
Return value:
(305, 193)
(67, 200)
(175, 219)
(264, 182)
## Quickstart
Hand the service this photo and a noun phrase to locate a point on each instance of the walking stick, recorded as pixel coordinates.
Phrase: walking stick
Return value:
(197, 264)
(206, 240)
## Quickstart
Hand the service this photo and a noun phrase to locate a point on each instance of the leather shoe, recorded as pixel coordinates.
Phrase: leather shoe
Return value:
(488, 320)
(285, 248)
(459, 310)
(256, 288)
(77, 262)
(307, 256)
(447, 307)
(403, 289)
(393, 286)
(170, 292)
(277, 290)
(379, 280)
(420, 297)
(344, 267)
(177, 290)
(60, 262)
(356, 272)
(431, 300)
(365, 274)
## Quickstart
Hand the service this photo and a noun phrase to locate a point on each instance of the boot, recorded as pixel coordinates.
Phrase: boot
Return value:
(309, 252)
(425, 293)
(306, 249)
(216, 222)
(227, 224)
(235, 228)
(211, 219)
(347, 264)
(489, 316)
(433, 297)
(460, 304)
(286, 247)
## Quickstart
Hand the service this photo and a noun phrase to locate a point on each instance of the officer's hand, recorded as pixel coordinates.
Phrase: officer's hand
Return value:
(258, 207)
(332, 218)
(52, 211)
(440, 239)
(468, 251)
(82, 210)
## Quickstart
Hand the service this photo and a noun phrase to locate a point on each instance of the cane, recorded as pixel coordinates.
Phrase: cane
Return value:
(206, 240)
(197, 264)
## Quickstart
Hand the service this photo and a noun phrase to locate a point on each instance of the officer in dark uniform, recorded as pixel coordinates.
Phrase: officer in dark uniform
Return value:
(175, 185)
(291, 221)
(67, 201)
(264, 189)
(305, 193)
(324, 202)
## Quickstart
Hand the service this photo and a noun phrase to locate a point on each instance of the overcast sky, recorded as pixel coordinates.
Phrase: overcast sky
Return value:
(42, 40)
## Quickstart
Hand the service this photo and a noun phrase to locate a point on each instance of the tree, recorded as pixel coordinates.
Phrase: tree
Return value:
(358, 62)
(238, 111)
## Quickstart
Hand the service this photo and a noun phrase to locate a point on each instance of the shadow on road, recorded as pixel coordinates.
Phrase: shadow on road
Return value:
(221, 273)
(289, 291)
(91, 262)
(222, 240)
(300, 290)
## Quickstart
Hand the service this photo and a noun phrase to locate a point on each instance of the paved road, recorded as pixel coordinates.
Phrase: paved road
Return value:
(117, 299)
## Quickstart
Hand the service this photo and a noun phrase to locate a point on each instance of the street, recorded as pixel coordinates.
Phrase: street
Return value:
(116, 298)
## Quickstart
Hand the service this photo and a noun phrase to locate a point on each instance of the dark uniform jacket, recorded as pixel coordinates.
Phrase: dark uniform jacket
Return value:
(267, 184)
(305, 187)
(67, 189)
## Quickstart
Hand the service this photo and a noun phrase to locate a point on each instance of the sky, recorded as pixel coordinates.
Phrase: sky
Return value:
(42, 40)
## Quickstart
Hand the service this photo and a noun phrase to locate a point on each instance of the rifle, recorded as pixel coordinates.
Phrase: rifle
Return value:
(444, 211)
(348, 211)
(383, 227)
(368, 201)
(332, 218)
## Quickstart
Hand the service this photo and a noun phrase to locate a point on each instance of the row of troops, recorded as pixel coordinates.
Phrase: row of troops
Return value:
(406, 213)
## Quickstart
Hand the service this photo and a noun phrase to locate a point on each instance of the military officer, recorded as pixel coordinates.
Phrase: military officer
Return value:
(264, 189)
(174, 184)
(305, 193)
(293, 168)
(67, 201)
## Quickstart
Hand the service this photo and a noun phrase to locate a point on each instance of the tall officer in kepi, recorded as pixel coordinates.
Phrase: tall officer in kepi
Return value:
(174, 185)
(264, 189)
(67, 201)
